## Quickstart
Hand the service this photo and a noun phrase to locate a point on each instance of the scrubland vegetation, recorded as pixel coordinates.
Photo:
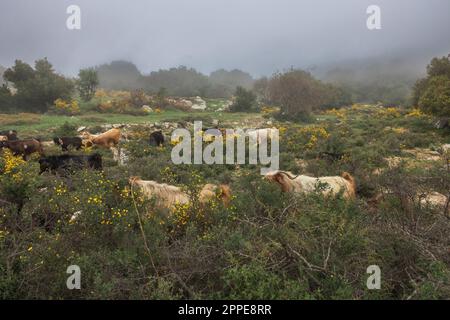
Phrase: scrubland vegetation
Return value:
(266, 244)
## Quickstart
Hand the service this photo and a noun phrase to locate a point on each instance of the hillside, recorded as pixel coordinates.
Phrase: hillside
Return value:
(265, 244)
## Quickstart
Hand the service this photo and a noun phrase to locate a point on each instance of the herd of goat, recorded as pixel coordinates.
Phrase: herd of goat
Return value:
(167, 196)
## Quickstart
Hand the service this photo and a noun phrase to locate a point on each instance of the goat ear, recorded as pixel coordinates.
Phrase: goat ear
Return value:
(279, 177)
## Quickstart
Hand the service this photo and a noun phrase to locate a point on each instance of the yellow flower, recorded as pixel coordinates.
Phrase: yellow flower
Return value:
(11, 162)
(388, 112)
(416, 113)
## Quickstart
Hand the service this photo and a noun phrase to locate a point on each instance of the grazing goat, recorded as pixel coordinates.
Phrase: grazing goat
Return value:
(168, 196)
(209, 191)
(66, 142)
(66, 162)
(107, 139)
(305, 184)
(10, 134)
(23, 147)
(157, 139)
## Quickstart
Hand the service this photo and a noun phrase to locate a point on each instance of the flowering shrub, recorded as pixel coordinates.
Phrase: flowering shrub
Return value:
(339, 113)
(17, 178)
(66, 107)
(268, 112)
(304, 138)
(10, 163)
(416, 113)
(388, 112)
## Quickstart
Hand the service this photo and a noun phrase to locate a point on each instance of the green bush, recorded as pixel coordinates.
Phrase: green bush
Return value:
(245, 101)
(66, 130)
(432, 94)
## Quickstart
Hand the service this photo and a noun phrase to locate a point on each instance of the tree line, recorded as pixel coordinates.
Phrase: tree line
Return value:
(180, 81)
(296, 92)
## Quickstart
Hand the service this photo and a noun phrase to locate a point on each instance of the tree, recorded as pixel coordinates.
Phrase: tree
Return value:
(223, 83)
(432, 94)
(335, 97)
(245, 101)
(87, 83)
(6, 99)
(261, 88)
(436, 97)
(161, 96)
(439, 67)
(119, 75)
(37, 88)
(297, 93)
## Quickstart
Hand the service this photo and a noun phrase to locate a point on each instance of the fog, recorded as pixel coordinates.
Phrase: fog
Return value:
(258, 36)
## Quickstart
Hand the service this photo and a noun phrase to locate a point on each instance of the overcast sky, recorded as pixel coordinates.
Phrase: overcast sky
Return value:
(258, 36)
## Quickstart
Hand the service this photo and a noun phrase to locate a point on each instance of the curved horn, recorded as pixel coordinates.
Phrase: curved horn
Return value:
(288, 175)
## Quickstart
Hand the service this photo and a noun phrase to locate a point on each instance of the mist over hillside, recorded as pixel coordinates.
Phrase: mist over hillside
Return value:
(179, 81)
(389, 78)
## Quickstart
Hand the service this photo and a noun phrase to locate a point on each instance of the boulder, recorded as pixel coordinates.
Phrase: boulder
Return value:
(442, 123)
(199, 104)
(147, 109)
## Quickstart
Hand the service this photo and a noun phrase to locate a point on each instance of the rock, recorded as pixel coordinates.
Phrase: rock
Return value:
(215, 122)
(186, 103)
(199, 104)
(393, 162)
(442, 123)
(424, 154)
(446, 147)
(147, 109)
(228, 104)
(75, 216)
(81, 129)
(434, 199)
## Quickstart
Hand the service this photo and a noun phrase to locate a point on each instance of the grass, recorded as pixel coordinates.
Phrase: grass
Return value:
(28, 124)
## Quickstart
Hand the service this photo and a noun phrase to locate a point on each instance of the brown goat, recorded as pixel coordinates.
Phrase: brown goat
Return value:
(107, 139)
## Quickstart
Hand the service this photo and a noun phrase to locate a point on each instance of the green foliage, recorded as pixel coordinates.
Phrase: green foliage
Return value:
(66, 130)
(6, 99)
(245, 101)
(161, 96)
(180, 81)
(37, 88)
(435, 99)
(224, 83)
(432, 94)
(298, 94)
(87, 83)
